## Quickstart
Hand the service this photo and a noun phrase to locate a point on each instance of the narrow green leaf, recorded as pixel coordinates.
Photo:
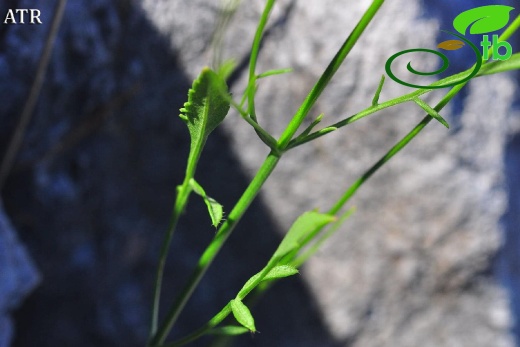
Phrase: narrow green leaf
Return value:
(216, 212)
(375, 100)
(229, 330)
(243, 315)
(274, 72)
(281, 271)
(327, 130)
(311, 126)
(483, 19)
(431, 112)
(316, 246)
(205, 109)
(303, 225)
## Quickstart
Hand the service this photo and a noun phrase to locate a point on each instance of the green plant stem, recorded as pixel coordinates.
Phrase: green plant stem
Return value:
(203, 330)
(216, 244)
(324, 80)
(183, 193)
(255, 50)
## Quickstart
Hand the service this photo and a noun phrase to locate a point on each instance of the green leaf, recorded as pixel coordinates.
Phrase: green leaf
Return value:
(311, 126)
(205, 109)
(316, 246)
(483, 19)
(375, 100)
(229, 330)
(274, 72)
(305, 224)
(216, 212)
(279, 271)
(431, 112)
(243, 315)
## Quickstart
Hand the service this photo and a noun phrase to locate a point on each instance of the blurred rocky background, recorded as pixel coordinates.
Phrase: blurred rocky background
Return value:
(430, 258)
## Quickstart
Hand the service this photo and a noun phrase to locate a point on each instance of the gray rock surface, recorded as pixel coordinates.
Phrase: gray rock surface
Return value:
(93, 185)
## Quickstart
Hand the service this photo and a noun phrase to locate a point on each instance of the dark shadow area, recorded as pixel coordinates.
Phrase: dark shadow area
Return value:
(92, 190)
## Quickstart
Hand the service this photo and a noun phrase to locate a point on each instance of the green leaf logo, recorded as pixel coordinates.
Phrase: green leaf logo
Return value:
(482, 19)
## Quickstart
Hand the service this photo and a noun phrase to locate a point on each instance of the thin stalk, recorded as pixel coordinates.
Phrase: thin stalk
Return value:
(216, 244)
(255, 49)
(34, 93)
(183, 193)
(324, 80)
(203, 330)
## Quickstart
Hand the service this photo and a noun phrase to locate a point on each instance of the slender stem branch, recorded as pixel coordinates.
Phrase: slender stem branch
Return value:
(203, 330)
(324, 80)
(255, 50)
(25, 117)
(183, 194)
